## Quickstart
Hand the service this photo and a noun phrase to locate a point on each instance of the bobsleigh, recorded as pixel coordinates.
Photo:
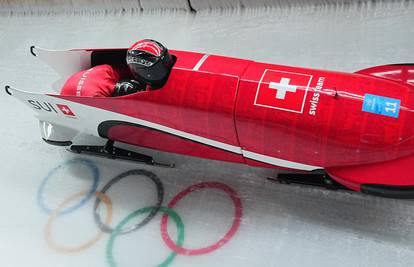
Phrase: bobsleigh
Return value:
(355, 130)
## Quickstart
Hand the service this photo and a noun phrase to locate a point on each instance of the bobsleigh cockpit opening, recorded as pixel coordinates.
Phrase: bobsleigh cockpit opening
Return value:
(113, 57)
(110, 57)
(110, 75)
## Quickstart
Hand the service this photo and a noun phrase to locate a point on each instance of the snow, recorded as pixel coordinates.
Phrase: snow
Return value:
(280, 225)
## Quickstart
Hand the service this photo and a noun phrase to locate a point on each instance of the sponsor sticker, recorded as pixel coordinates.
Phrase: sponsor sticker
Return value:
(52, 108)
(283, 90)
(65, 110)
(381, 105)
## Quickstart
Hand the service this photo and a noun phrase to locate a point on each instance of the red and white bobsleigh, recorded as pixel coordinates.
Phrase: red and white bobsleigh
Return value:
(357, 127)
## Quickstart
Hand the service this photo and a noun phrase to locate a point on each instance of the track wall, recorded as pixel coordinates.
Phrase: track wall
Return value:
(98, 6)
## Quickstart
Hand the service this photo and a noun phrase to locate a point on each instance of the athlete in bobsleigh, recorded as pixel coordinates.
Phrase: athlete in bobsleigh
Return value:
(148, 65)
(352, 130)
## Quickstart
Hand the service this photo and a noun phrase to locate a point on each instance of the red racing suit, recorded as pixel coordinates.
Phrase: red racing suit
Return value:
(97, 81)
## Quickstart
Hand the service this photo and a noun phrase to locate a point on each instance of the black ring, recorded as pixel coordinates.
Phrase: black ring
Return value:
(160, 197)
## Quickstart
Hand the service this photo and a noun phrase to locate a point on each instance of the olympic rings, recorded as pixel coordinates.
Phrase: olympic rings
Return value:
(231, 232)
(118, 230)
(95, 172)
(105, 199)
(160, 197)
(176, 247)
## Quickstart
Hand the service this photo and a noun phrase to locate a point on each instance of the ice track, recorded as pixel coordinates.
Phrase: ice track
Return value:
(279, 225)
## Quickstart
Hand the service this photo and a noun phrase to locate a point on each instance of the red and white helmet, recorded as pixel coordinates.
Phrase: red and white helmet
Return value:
(150, 62)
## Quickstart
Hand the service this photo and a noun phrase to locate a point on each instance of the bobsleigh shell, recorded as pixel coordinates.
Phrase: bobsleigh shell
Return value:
(356, 126)
(98, 81)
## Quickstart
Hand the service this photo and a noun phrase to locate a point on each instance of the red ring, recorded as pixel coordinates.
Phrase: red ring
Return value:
(232, 231)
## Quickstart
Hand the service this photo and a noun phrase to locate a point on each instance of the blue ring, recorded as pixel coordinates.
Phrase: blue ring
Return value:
(95, 172)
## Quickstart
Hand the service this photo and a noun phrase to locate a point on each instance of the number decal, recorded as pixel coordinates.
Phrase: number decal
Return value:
(381, 105)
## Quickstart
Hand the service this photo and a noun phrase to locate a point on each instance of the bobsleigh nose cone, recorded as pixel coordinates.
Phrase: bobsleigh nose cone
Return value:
(56, 135)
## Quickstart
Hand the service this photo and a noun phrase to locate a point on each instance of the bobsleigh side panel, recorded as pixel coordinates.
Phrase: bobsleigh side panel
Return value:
(194, 105)
(193, 102)
(186, 60)
(164, 141)
(316, 117)
(65, 113)
(224, 65)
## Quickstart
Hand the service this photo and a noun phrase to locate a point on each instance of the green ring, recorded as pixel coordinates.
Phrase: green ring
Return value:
(118, 229)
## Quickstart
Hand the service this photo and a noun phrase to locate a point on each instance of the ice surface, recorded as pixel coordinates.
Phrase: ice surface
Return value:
(280, 226)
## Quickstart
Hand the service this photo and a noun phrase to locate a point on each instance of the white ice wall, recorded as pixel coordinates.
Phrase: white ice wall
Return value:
(76, 6)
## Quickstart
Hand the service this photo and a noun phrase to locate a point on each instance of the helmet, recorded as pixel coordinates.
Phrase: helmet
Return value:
(150, 62)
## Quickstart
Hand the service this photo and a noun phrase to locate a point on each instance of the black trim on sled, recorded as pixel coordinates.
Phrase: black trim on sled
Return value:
(58, 143)
(32, 50)
(401, 64)
(7, 90)
(390, 191)
(103, 129)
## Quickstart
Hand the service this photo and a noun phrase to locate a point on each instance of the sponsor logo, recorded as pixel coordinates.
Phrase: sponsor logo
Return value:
(82, 81)
(283, 90)
(315, 97)
(52, 108)
(381, 105)
(45, 106)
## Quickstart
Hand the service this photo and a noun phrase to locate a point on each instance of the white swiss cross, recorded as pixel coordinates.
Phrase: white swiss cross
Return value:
(282, 88)
(65, 110)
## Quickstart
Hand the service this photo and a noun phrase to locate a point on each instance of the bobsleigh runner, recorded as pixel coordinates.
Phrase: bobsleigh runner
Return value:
(351, 130)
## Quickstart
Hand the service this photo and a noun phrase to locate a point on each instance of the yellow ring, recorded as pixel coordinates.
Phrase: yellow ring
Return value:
(63, 249)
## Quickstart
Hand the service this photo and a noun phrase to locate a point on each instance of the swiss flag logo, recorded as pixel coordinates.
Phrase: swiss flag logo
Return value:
(65, 110)
(283, 90)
